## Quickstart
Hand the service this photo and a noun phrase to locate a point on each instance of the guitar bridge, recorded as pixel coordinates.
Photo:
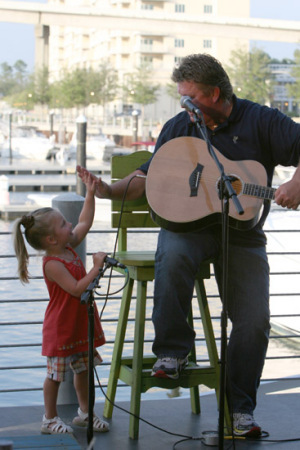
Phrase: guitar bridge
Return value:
(194, 180)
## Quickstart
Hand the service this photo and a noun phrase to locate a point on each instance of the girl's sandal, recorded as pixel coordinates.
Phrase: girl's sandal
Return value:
(82, 421)
(55, 426)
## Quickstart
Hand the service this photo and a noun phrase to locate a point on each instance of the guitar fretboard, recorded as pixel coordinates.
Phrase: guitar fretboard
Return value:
(255, 190)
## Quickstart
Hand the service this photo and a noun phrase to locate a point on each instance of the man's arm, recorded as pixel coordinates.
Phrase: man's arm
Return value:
(115, 191)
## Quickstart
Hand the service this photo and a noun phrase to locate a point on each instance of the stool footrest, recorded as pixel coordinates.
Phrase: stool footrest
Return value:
(192, 375)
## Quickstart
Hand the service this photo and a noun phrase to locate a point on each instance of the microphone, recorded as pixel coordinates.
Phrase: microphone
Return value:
(114, 263)
(186, 103)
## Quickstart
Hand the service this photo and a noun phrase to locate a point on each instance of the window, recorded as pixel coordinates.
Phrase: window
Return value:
(177, 60)
(147, 60)
(180, 8)
(207, 9)
(147, 41)
(179, 42)
(207, 43)
(147, 6)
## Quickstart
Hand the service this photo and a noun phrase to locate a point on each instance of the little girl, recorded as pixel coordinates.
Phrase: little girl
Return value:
(65, 328)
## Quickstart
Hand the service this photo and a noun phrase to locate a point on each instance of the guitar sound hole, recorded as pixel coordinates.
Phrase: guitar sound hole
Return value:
(236, 183)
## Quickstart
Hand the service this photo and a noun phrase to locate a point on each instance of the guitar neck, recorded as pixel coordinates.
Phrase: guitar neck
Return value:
(263, 192)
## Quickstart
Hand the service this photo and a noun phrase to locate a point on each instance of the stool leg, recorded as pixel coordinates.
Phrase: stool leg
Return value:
(194, 391)
(211, 343)
(118, 349)
(137, 361)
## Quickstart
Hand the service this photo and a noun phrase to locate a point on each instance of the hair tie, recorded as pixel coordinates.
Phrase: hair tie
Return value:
(27, 222)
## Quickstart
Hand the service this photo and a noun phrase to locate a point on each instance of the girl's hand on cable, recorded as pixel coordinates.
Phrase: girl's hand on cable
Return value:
(99, 258)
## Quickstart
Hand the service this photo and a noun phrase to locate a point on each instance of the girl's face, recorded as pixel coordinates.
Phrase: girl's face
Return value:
(62, 230)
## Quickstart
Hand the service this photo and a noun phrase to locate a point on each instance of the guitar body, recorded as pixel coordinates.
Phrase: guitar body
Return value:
(182, 187)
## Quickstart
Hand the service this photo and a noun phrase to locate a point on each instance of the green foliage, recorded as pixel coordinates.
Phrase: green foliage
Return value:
(41, 87)
(138, 87)
(294, 90)
(103, 84)
(171, 89)
(85, 86)
(250, 75)
(13, 79)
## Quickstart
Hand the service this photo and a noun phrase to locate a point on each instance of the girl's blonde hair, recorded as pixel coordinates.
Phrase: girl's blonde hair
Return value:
(37, 226)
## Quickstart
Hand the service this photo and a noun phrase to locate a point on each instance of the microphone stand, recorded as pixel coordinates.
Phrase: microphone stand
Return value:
(226, 192)
(88, 298)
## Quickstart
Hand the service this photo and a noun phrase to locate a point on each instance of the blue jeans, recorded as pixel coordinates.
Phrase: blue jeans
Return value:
(177, 259)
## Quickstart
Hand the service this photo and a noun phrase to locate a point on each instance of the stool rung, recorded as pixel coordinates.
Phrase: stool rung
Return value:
(192, 375)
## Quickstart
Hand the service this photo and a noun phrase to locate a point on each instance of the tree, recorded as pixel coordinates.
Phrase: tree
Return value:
(20, 74)
(294, 89)
(138, 87)
(172, 91)
(250, 74)
(6, 79)
(42, 89)
(103, 84)
(70, 91)
(82, 87)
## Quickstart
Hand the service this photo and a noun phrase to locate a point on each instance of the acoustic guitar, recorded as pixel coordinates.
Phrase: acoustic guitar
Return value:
(182, 187)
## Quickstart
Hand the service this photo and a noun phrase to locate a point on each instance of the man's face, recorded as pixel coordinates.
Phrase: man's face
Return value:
(206, 102)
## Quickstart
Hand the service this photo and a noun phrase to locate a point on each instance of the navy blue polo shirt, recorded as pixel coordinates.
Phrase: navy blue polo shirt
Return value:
(251, 132)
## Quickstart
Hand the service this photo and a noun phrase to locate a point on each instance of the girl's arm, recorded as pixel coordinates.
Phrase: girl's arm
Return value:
(86, 217)
(57, 272)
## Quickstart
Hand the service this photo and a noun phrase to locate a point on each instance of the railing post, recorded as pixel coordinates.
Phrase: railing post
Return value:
(70, 206)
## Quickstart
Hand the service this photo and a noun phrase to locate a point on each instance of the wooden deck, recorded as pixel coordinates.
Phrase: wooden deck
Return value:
(278, 413)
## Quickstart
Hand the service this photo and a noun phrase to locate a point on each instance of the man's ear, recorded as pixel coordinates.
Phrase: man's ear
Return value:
(215, 94)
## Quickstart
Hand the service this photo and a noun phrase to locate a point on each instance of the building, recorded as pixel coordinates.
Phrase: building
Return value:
(125, 49)
(282, 99)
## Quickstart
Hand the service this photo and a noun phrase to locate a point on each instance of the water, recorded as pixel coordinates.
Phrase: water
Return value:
(34, 311)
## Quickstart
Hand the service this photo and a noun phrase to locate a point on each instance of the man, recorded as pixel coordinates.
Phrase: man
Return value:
(240, 130)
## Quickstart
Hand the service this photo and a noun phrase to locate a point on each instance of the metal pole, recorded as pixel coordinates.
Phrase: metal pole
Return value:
(81, 151)
(51, 117)
(9, 137)
(135, 115)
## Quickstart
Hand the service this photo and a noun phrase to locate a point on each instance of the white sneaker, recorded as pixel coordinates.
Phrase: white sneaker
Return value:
(245, 425)
(169, 367)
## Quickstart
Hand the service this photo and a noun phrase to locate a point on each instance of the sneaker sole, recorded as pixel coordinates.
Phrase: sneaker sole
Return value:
(255, 432)
(162, 374)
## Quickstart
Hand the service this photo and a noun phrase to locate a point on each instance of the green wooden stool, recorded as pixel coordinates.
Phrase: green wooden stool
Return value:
(135, 371)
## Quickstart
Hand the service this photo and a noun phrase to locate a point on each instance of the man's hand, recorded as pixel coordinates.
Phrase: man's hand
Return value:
(288, 194)
(103, 190)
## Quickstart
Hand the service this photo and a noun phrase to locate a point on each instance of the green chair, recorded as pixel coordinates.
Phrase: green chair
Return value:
(135, 371)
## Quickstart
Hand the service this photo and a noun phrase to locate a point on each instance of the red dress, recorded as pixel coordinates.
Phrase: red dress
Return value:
(65, 328)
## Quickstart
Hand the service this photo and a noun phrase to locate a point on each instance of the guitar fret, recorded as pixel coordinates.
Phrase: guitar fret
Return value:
(256, 190)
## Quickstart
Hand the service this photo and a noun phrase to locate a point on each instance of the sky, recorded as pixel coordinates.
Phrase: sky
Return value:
(20, 37)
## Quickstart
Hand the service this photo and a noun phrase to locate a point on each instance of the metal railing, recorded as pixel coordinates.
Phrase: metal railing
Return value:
(22, 368)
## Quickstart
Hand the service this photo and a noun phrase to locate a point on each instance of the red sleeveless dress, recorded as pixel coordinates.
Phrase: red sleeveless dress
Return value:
(65, 328)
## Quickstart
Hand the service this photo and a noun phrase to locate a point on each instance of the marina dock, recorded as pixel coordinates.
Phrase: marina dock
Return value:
(36, 177)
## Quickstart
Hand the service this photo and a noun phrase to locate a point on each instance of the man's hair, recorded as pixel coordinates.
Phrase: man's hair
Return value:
(206, 70)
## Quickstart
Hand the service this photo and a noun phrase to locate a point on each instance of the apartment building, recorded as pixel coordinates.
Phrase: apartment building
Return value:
(126, 49)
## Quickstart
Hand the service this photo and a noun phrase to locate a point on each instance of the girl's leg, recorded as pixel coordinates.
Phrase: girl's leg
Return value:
(50, 397)
(51, 423)
(79, 366)
(81, 387)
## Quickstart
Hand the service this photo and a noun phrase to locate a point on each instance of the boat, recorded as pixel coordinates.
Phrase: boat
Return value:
(27, 143)
(98, 146)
